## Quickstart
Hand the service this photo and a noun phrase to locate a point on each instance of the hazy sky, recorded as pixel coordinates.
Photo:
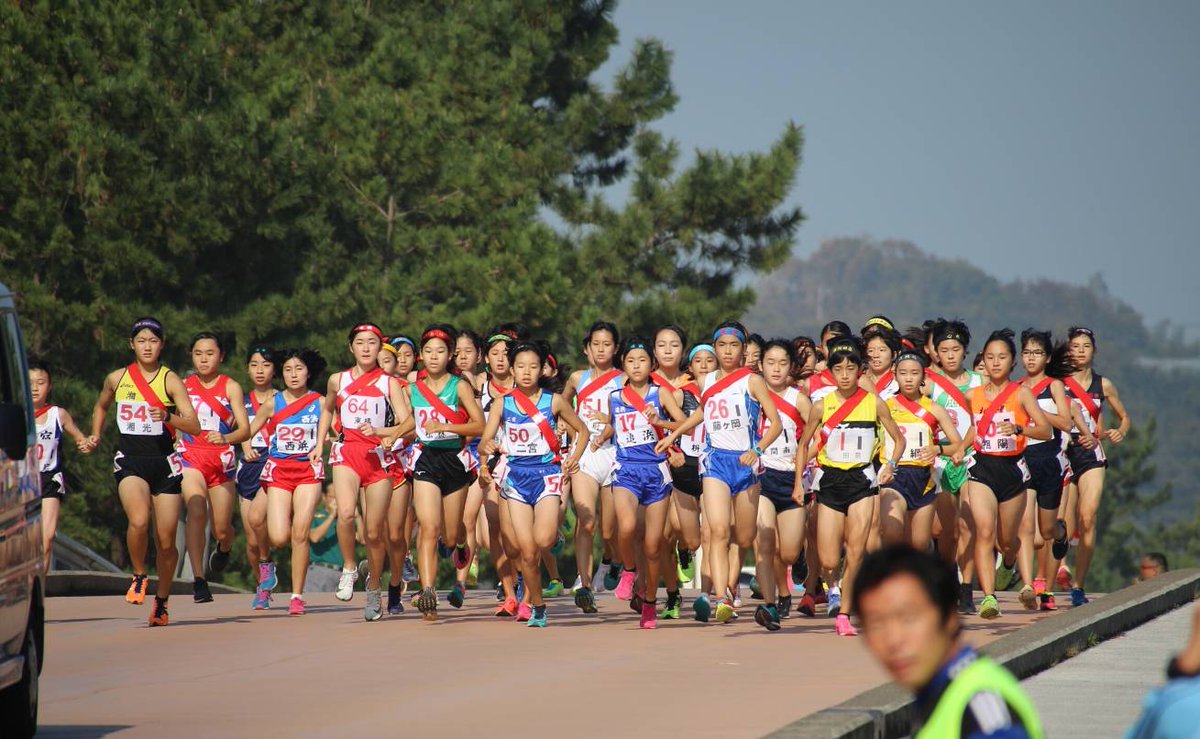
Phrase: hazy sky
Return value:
(1051, 139)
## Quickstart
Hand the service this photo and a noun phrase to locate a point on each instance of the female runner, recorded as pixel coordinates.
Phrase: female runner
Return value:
(252, 500)
(400, 568)
(499, 384)
(678, 562)
(52, 422)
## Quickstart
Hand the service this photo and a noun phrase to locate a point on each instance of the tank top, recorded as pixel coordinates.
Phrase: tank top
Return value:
(853, 442)
(989, 440)
(425, 414)
(296, 435)
(140, 435)
(820, 385)
(781, 454)
(49, 437)
(1056, 443)
(730, 416)
(209, 417)
(961, 417)
(917, 432)
(260, 440)
(885, 390)
(368, 404)
(1096, 392)
(492, 391)
(596, 402)
(524, 441)
(692, 443)
(633, 434)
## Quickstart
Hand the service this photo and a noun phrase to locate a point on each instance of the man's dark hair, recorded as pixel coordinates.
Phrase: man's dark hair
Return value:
(1159, 559)
(938, 579)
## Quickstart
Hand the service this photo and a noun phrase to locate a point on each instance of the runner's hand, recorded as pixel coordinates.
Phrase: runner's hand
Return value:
(957, 457)
(674, 458)
(367, 430)
(598, 417)
(215, 438)
(571, 466)
(927, 454)
(487, 448)
(1006, 428)
(89, 444)
(158, 414)
(798, 493)
(435, 427)
(1115, 435)
(749, 458)
(663, 445)
(1087, 441)
(249, 453)
(886, 474)
(651, 414)
(315, 455)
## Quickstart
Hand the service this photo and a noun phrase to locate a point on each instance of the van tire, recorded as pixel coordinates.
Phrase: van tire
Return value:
(20, 702)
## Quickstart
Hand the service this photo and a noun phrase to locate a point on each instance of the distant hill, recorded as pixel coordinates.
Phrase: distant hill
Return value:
(852, 279)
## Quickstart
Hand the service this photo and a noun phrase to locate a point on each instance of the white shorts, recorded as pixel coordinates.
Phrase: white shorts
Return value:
(599, 465)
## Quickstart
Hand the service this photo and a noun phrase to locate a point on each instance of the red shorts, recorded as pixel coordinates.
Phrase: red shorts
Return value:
(215, 463)
(289, 474)
(369, 461)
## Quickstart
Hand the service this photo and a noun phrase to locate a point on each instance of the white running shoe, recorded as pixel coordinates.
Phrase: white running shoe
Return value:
(345, 588)
(598, 579)
(578, 585)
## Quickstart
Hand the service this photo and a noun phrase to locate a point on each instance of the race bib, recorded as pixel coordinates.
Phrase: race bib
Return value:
(525, 440)
(994, 442)
(916, 438)
(175, 462)
(299, 438)
(209, 421)
(590, 406)
(133, 419)
(358, 410)
(426, 416)
(850, 445)
(634, 430)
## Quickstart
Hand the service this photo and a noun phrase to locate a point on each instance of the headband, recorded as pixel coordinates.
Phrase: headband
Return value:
(1081, 331)
(436, 333)
(499, 337)
(367, 327)
(552, 362)
(879, 321)
(950, 335)
(389, 348)
(154, 326)
(395, 340)
(701, 348)
(909, 354)
(844, 346)
(729, 331)
(636, 345)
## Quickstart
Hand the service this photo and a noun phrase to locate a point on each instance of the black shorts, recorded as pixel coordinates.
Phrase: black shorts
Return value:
(1047, 477)
(444, 468)
(1082, 460)
(912, 482)
(53, 486)
(839, 489)
(1006, 476)
(162, 474)
(249, 475)
(686, 478)
(777, 486)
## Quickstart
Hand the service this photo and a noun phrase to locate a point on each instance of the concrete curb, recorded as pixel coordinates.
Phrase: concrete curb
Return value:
(887, 711)
(86, 582)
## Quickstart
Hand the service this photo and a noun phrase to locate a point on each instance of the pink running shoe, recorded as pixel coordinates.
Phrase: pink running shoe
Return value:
(843, 627)
(1063, 578)
(524, 613)
(624, 589)
(649, 616)
(296, 607)
(462, 557)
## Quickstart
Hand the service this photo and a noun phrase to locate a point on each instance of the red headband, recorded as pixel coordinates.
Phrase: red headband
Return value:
(436, 333)
(367, 327)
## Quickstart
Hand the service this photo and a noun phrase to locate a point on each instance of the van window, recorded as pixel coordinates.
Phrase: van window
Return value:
(14, 381)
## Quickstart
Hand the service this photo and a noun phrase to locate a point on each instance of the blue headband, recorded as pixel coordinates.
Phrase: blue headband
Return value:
(729, 331)
(401, 340)
(700, 348)
(636, 345)
(147, 323)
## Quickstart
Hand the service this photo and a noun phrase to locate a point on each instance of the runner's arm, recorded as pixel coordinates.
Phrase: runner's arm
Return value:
(100, 411)
(1061, 419)
(185, 415)
(70, 429)
(805, 442)
(760, 392)
(237, 399)
(567, 414)
(1116, 435)
(884, 414)
(327, 408)
(946, 424)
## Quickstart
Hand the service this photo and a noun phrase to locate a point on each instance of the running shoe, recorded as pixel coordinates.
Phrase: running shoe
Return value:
(507, 609)
(843, 627)
(687, 566)
(822, 594)
(1078, 597)
(1039, 585)
(137, 590)
(1028, 598)
(218, 560)
(500, 591)
(427, 604)
(537, 619)
(408, 573)
(200, 591)
(553, 590)
(462, 557)
(158, 616)
(671, 610)
(577, 585)
(598, 579)
(457, 595)
(267, 579)
(1061, 545)
(585, 600)
(374, 608)
(364, 571)
(1006, 575)
(442, 549)
(755, 591)
(520, 587)
(395, 604)
(966, 600)
(524, 613)
(989, 607)
(767, 617)
(726, 611)
(800, 569)
(473, 573)
(625, 584)
(1048, 603)
(1062, 579)
(735, 595)
(783, 606)
(702, 608)
(636, 603)
(559, 543)
(834, 607)
(649, 616)
(345, 587)
(807, 606)
(262, 600)
(612, 576)
(296, 606)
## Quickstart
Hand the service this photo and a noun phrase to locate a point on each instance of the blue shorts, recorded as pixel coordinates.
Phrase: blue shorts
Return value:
(531, 484)
(649, 482)
(725, 466)
(777, 487)
(914, 483)
(249, 474)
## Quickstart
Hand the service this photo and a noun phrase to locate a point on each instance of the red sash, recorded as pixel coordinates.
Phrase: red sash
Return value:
(919, 411)
(286, 411)
(846, 408)
(363, 380)
(498, 391)
(1084, 397)
(254, 404)
(592, 387)
(639, 404)
(884, 381)
(1042, 385)
(820, 380)
(692, 388)
(459, 416)
(41, 411)
(725, 382)
(950, 389)
(985, 421)
(148, 394)
(787, 409)
(661, 381)
(208, 396)
(529, 408)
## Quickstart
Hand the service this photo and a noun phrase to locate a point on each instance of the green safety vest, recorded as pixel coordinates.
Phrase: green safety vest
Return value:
(983, 675)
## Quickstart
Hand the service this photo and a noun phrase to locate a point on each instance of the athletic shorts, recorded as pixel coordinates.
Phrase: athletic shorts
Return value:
(1082, 460)
(1006, 476)
(450, 469)
(686, 478)
(915, 484)
(727, 467)
(777, 486)
(1047, 477)
(949, 477)
(369, 461)
(648, 481)
(216, 464)
(249, 475)
(839, 489)
(162, 474)
(53, 485)
(289, 474)
(531, 484)
(600, 464)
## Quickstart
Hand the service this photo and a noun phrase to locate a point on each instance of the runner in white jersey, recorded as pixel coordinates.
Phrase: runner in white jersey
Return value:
(52, 422)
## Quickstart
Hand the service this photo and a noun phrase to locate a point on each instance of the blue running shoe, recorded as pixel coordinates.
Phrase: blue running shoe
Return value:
(835, 604)
(267, 580)
(457, 595)
(262, 600)
(703, 608)
(1078, 597)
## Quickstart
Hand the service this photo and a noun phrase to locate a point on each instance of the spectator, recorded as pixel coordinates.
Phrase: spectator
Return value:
(1153, 565)
(1172, 711)
(325, 557)
(907, 603)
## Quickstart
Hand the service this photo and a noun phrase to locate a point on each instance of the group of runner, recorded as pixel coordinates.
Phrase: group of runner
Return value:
(810, 453)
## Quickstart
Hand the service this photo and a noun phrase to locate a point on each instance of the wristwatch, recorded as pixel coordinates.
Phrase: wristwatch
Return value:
(1018, 430)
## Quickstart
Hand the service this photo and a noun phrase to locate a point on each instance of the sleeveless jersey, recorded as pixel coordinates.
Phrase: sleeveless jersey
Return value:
(852, 443)
(917, 433)
(523, 439)
(1056, 443)
(488, 401)
(692, 443)
(731, 416)
(1096, 391)
(209, 420)
(990, 440)
(634, 435)
(140, 435)
(260, 440)
(295, 436)
(960, 416)
(781, 455)
(890, 390)
(49, 437)
(368, 404)
(426, 414)
(820, 385)
(597, 402)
